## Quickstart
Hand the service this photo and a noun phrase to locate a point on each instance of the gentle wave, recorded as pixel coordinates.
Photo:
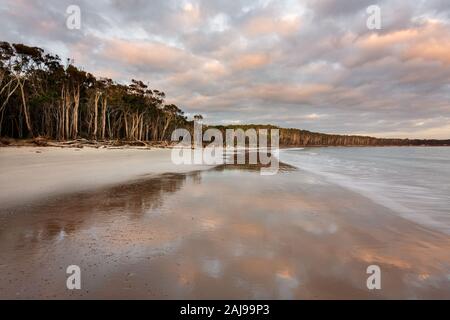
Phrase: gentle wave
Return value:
(414, 182)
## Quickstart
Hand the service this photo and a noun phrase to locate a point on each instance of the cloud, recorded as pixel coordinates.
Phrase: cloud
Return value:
(266, 25)
(251, 61)
(333, 8)
(427, 41)
(306, 64)
(431, 43)
(149, 55)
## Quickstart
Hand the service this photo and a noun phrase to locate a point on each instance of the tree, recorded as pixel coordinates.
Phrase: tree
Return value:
(63, 102)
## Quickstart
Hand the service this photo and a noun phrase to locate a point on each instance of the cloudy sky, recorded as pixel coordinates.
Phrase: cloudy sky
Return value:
(309, 64)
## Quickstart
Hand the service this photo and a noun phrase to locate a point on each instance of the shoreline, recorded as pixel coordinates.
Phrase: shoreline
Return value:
(149, 145)
(83, 143)
(29, 173)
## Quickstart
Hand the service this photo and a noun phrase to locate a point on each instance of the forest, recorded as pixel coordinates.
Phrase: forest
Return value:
(304, 138)
(42, 97)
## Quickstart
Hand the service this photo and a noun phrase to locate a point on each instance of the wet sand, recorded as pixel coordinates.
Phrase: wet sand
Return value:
(223, 233)
(30, 173)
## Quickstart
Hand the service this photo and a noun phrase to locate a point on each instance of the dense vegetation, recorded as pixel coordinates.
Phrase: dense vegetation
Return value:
(303, 138)
(295, 137)
(41, 97)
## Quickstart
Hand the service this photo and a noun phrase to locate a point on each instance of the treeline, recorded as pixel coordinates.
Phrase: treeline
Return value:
(39, 96)
(296, 137)
(303, 138)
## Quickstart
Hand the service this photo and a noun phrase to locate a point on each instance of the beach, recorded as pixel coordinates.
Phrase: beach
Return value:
(31, 173)
(140, 227)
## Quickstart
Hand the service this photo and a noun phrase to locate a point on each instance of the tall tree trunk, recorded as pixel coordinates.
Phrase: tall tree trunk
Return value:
(63, 115)
(97, 98)
(10, 93)
(76, 99)
(168, 121)
(126, 126)
(67, 115)
(25, 108)
(104, 105)
(141, 131)
(110, 134)
(155, 129)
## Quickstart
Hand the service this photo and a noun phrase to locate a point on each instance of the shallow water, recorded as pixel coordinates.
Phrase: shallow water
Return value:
(219, 234)
(413, 182)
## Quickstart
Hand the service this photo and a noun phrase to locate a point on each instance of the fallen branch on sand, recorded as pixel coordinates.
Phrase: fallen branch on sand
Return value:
(82, 143)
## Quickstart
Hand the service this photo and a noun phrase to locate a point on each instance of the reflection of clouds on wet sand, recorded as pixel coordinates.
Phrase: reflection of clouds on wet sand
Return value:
(222, 234)
(287, 283)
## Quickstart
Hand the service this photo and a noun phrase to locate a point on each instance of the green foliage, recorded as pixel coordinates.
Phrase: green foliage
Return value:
(62, 102)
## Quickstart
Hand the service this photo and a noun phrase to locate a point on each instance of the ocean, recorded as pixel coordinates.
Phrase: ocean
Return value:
(413, 182)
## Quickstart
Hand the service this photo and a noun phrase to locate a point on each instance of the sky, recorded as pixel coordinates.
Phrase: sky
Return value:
(309, 64)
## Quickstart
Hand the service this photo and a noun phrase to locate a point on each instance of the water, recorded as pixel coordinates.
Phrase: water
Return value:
(224, 233)
(414, 182)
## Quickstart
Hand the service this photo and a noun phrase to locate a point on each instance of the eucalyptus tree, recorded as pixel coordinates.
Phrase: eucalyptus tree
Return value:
(43, 97)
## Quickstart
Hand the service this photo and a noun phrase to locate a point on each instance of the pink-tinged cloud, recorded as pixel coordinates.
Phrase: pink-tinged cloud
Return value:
(148, 55)
(251, 61)
(432, 43)
(266, 25)
(296, 94)
(429, 41)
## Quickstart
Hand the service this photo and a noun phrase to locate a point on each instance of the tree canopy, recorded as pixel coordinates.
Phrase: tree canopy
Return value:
(39, 96)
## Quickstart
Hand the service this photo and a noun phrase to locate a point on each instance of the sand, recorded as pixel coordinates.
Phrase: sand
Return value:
(222, 233)
(28, 173)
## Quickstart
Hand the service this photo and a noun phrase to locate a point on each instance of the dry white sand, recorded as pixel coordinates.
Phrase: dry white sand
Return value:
(30, 173)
